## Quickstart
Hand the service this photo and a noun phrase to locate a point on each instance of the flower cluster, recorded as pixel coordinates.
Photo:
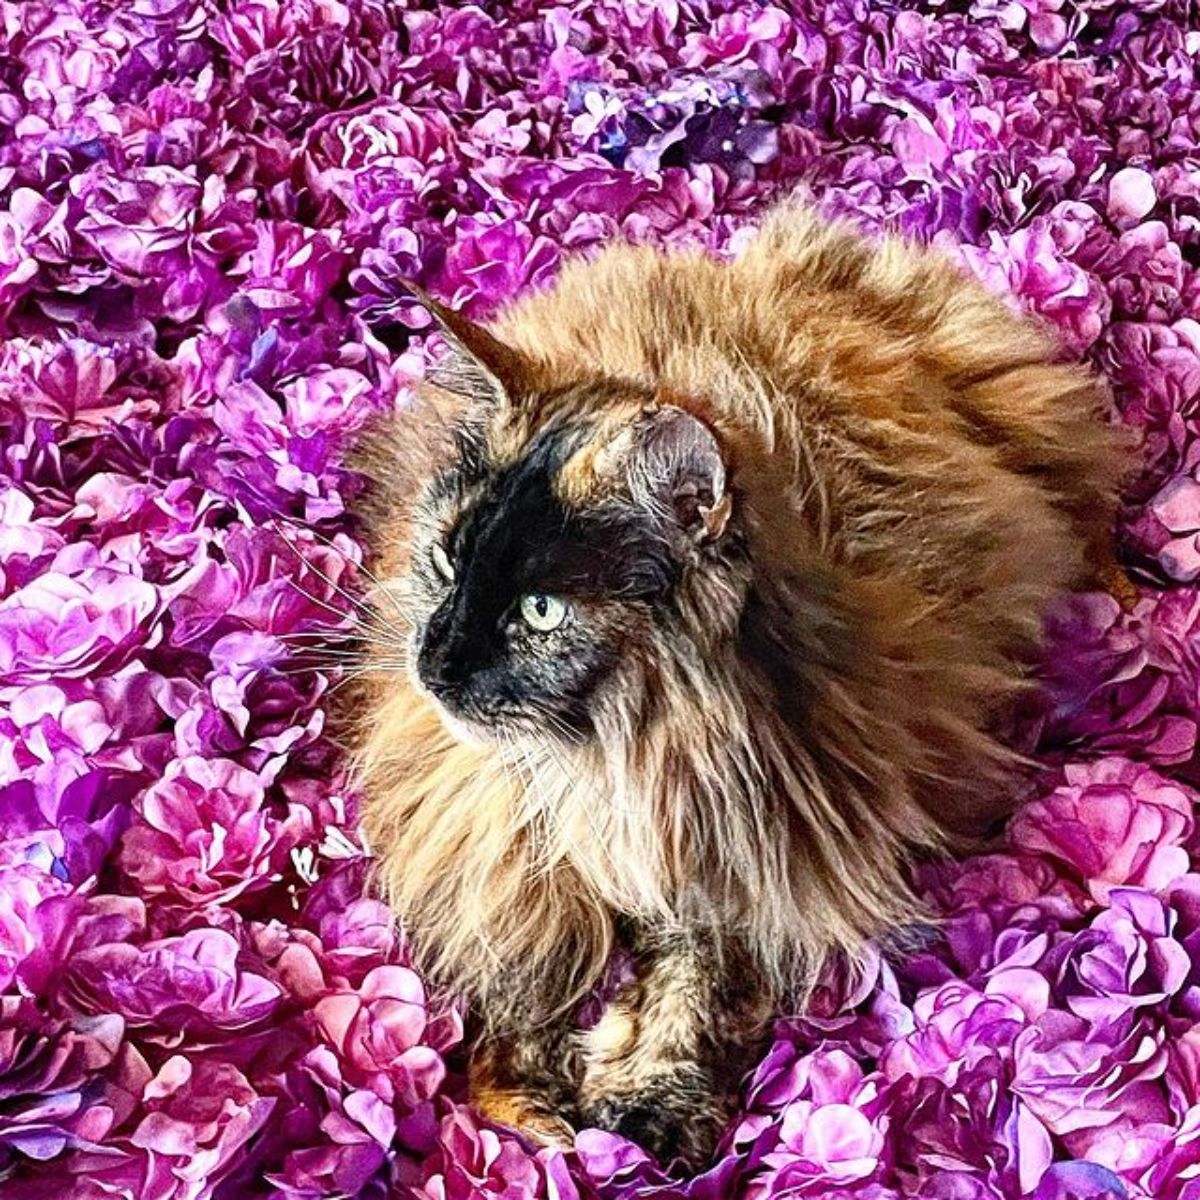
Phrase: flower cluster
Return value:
(208, 209)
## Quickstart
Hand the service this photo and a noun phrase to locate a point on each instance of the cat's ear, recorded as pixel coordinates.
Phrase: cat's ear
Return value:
(478, 365)
(675, 467)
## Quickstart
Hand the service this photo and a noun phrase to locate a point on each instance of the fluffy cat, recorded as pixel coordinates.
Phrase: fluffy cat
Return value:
(704, 587)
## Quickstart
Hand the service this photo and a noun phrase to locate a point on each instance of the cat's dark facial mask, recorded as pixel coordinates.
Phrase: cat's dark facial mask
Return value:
(529, 601)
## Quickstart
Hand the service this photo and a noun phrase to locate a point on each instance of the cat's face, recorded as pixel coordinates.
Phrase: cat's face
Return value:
(531, 589)
(545, 554)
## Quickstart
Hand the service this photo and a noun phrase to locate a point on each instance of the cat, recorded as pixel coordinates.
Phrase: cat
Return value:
(703, 586)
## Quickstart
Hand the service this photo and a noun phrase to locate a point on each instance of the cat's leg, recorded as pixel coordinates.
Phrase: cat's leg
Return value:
(528, 1080)
(662, 1065)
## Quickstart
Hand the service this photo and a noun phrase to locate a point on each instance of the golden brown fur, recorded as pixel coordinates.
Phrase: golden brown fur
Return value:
(914, 478)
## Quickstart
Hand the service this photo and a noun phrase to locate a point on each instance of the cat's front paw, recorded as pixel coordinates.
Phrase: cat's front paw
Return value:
(677, 1125)
(525, 1113)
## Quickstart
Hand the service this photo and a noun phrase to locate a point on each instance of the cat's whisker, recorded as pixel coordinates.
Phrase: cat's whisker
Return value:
(326, 658)
(301, 641)
(362, 567)
(349, 678)
(333, 633)
(383, 666)
(359, 629)
(313, 599)
(358, 604)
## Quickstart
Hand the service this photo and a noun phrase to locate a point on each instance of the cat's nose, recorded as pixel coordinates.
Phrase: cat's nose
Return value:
(438, 670)
(444, 671)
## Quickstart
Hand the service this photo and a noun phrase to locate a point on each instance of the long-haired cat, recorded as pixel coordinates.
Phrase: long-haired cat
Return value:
(705, 585)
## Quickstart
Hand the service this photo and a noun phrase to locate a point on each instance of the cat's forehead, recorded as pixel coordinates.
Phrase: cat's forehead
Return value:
(585, 432)
(567, 447)
(541, 501)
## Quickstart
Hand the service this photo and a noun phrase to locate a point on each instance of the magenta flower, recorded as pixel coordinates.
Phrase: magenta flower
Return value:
(197, 1118)
(472, 1162)
(207, 212)
(822, 1147)
(204, 833)
(1112, 822)
(1077, 1078)
(492, 260)
(69, 624)
(1174, 1176)
(35, 906)
(1035, 264)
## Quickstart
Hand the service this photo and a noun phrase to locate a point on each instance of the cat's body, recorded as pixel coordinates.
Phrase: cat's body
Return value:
(712, 581)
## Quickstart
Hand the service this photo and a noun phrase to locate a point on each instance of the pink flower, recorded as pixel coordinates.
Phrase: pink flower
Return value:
(1176, 507)
(67, 625)
(1112, 822)
(198, 1116)
(382, 138)
(472, 1162)
(1131, 195)
(378, 1031)
(205, 833)
(1174, 1175)
(1036, 264)
(17, 265)
(35, 909)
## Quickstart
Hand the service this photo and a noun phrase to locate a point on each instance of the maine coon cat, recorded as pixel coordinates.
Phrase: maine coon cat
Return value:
(704, 586)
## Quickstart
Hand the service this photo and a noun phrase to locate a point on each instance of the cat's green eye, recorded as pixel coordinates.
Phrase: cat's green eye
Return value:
(543, 613)
(441, 562)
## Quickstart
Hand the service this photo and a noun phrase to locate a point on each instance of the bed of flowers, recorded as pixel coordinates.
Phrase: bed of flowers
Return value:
(206, 207)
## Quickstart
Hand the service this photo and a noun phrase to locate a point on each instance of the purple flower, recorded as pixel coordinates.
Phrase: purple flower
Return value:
(1080, 1181)
(971, 1137)
(1078, 1078)
(349, 1133)
(48, 1101)
(1125, 959)
(17, 265)
(193, 984)
(1119, 682)
(290, 269)
(490, 261)
(958, 1026)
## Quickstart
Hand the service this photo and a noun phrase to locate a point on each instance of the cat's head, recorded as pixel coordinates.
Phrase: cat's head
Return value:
(550, 550)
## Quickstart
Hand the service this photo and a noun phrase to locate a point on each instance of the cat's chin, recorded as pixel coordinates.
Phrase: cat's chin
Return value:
(481, 734)
(472, 733)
